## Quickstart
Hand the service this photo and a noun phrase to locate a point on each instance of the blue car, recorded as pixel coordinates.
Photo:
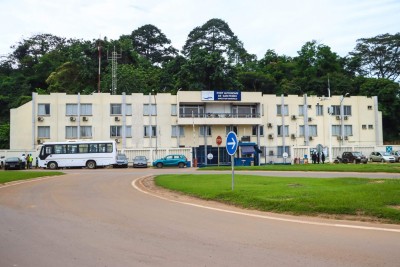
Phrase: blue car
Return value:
(171, 160)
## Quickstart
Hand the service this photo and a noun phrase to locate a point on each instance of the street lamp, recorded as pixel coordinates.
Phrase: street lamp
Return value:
(342, 117)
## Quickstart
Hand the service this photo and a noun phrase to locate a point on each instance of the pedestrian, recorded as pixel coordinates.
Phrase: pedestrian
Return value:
(313, 157)
(23, 159)
(30, 161)
(27, 161)
(318, 157)
(37, 163)
(323, 157)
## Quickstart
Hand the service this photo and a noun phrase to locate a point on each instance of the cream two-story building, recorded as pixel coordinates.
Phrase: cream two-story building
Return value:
(267, 125)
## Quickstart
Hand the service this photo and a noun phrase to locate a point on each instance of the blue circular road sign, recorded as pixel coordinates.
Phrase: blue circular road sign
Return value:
(231, 143)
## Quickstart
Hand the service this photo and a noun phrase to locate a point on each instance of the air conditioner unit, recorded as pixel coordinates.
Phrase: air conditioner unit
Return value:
(346, 138)
(293, 117)
(270, 136)
(40, 119)
(39, 141)
(269, 125)
(309, 106)
(346, 118)
(309, 119)
(85, 118)
(338, 117)
(72, 118)
(293, 136)
(245, 138)
(310, 138)
(116, 118)
(271, 153)
(339, 138)
(117, 140)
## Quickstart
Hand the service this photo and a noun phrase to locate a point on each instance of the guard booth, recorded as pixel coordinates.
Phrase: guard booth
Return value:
(248, 154)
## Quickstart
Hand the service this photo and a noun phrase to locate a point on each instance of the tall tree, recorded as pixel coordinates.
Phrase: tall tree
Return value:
(379, 56)
(151, 43)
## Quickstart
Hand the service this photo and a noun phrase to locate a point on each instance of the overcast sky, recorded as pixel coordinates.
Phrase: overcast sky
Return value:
(282, 25)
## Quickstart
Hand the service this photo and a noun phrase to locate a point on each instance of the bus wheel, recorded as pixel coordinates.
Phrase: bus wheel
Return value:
(52, 165)
(91, 164)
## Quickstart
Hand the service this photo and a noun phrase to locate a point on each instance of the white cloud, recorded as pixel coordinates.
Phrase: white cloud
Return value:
(283, 26)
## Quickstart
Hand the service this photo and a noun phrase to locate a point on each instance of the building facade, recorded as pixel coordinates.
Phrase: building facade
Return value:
(194, 119)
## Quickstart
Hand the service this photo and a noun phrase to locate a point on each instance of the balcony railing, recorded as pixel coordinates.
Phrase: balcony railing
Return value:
(220, 115)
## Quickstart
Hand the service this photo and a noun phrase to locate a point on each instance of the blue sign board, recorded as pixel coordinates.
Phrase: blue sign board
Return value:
(389, 149)
(221, 95)
(231, 143)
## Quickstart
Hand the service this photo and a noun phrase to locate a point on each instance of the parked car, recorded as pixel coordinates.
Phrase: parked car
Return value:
(140, 162)
(381, 157)
(122, 161)
(396, 155)
(354, 157)
(171, 160)
(13, 163)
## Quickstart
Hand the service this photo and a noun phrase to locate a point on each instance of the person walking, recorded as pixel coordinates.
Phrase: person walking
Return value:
(323, 157)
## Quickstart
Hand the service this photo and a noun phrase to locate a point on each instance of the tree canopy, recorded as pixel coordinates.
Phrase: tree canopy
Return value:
(213, 57)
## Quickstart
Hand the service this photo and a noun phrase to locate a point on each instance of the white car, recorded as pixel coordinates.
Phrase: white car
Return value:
(381, 157)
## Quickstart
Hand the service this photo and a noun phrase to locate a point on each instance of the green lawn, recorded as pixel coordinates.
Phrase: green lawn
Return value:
(370, 167)
(9, 176)
(338, 197)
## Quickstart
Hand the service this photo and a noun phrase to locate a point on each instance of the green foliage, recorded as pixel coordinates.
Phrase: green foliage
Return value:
(9, 176)
(4, 136)
(212, 58)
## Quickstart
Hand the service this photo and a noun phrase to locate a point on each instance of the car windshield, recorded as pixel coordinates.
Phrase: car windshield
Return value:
(357, 154)
(140, 158)
(121, 157)
(386, 154)
(12, 159)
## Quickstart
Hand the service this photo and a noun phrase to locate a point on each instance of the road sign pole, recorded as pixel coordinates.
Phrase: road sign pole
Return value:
(233, 173)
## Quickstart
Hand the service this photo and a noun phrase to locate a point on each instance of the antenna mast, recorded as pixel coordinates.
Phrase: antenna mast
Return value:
(113, 58)
(99, 49)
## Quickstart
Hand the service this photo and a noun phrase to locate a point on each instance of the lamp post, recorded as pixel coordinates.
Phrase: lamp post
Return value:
(342, 118)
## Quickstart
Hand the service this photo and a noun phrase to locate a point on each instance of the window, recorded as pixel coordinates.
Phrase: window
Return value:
(244, 111)
(115, 109)
(189, 111)
(86, 131)
(43, 109)
(336, 130)
(147, 131)
(86, 110)
(71, 110)
(231, 129)
(301, 110)
(319, 110)
(254, 130)
(282, 149)
(116, 131)
(348, 130)
(128, 109)
(71, 132)
(43, 131)
(280, 112)
(280, 130)
(153, 109)
(312, 130)
(205, 128)
(175, 129)
(370, 126)
(173, 110)
(346, 110)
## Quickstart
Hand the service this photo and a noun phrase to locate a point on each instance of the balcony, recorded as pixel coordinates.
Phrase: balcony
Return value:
(216, 118)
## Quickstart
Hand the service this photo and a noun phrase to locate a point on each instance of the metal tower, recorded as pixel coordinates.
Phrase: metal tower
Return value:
(114, 63)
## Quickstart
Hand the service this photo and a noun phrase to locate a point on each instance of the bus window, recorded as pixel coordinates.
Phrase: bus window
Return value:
(92, 148)
(60, 149)
(83, 148)
(72, 149)
(109, 148)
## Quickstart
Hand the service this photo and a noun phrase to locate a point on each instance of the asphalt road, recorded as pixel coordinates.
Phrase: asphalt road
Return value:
(99, 218)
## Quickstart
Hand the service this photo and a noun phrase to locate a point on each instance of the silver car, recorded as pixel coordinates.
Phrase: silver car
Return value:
(381, 157)
(122, 161)
(140, 162)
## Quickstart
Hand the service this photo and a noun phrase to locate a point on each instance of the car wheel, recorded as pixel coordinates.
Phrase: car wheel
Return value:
(355, 161)
(52, 165)
(159, 165)
(91, 164)
(181, 165)
(382, 160)
(370, 159)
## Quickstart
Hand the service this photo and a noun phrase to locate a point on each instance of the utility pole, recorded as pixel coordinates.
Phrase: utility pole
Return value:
(99, 49)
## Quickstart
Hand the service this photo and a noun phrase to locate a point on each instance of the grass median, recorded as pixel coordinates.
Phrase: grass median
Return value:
(350, 198)
(10, 176)
(370, 167)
